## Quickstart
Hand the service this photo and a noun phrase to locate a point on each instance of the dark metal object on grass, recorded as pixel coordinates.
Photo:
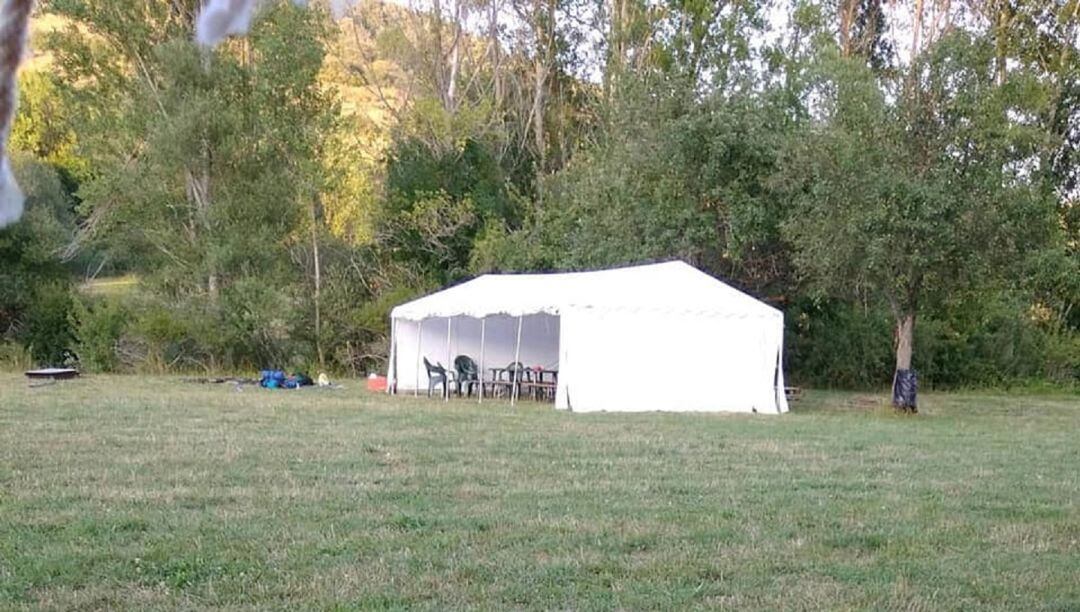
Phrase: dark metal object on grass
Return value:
(221, 380)
(52, 374)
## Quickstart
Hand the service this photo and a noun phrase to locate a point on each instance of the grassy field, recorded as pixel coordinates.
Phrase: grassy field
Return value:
(151, 493)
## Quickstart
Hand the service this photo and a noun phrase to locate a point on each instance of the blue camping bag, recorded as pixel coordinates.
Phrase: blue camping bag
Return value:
(271, 379)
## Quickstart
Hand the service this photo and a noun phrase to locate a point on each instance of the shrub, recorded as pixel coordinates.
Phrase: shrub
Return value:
(101, 325)
(15, 357)
(838, 345)
(48, 331)
(985, 340)
(1062, 358)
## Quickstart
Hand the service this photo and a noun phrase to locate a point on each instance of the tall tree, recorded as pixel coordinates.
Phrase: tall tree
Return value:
(916, 196)
(205, 161)
(862, 32)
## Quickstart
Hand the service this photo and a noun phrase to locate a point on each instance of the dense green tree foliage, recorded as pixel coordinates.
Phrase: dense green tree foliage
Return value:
(916, 199)
(35, 297)
(861, 164)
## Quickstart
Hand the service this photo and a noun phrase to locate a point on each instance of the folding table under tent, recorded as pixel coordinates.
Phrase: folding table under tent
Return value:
(659, 337)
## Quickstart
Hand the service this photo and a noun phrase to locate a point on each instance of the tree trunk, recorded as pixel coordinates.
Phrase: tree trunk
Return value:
(198, 193)
(916, 30)
(904, 382)
(438, 67)
(905, 338)
(451, 88)
(198, 187)
(540, 78)
(544, 31)
(318, 283)
(496, 58)
(455, 59)
(847, 20)
(616, 53)
(1001, 42)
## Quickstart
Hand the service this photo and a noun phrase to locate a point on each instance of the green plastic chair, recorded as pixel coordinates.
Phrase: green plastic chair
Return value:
(436, 376)
(468, 374)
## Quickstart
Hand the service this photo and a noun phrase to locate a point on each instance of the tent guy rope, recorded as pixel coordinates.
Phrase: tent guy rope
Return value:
(217, 20)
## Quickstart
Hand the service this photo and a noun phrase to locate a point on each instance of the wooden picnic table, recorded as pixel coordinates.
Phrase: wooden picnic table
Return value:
(527, 379)
(539, 385)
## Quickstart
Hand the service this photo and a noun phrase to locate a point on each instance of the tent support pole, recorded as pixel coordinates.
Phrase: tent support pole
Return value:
(419, 339)
(480, 374)
(391, 366)
(516, 374)
(446, 378)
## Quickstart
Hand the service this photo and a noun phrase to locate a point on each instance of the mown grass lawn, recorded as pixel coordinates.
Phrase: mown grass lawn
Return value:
(152, 493)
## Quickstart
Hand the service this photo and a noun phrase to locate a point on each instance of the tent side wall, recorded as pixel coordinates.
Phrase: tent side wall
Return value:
(781, 396)
(648, 360)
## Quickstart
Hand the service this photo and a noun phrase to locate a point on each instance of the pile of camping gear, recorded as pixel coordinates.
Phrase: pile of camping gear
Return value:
(277, 379)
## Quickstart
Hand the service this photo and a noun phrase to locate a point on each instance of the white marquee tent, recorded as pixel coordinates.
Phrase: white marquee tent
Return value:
(654, 337)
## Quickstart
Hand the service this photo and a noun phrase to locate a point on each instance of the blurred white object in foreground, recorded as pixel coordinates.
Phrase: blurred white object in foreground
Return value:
(220, 19)
(11, 197)
(14, 23)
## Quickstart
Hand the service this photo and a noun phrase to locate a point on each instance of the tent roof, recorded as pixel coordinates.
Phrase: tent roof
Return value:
(674, 287)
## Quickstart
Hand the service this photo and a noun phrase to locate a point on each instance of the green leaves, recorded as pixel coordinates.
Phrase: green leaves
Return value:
(915, 196)
(808, 164)
(35, 290)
